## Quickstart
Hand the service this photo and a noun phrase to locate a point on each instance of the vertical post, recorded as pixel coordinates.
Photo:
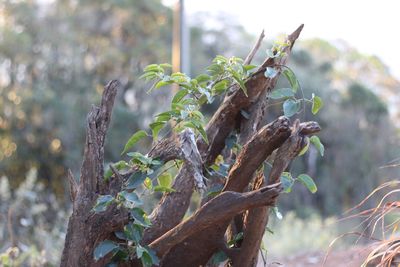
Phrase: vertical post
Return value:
(180, 40)
(185, 41)
(176, 37)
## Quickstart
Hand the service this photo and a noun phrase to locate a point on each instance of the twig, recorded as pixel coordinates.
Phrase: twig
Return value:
(253, 51)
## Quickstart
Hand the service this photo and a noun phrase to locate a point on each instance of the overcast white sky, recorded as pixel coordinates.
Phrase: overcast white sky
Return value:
(370, 26)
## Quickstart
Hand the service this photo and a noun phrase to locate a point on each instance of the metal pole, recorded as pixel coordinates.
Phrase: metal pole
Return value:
(180, 40)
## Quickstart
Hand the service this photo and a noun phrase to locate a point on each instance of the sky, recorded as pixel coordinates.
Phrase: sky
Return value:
(370, 26)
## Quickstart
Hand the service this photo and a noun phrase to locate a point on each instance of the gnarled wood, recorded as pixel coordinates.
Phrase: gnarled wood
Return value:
(257, 219)
(200, 246)
(221, 208)
(83, 227)
(194, 241)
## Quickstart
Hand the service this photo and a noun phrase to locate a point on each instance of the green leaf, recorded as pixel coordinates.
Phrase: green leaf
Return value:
(235, 239)
(249, 67)
(165, 179)
(202, 78)
(318, 145)
(282, 93)
(156, 128)
(163, 83)
(287, 182)
(270, 72)
(121, 235)
(147, 256)
(240, 81)
(203, 133)
(198, 115)
(290, 107)
(131, 197)
(139, 216)
(138, 157)
(180, 95)
(218, 257)
(135, 180)
(119, 166)
(215, 69)
(317, 104)
(160, 188)
(308, 182)
(220, 59)
(146, 260)
(139, 251)
(152, 67)
(277, 213)
(103, 249)
(148, 183)
(108, 173)
(153, 256)
(165, 116)
(305, 148)
(291, 77)
(133, 140)
(119, 255)
(196, 125)
(148, 76)
(220, 87)
(133, 232)
(102, 203)
(166, 65)
(180, 78)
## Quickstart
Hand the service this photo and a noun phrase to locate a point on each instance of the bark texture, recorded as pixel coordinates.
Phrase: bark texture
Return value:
(244, 199)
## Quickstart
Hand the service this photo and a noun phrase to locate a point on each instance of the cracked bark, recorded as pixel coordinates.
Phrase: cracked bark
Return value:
(191, 242)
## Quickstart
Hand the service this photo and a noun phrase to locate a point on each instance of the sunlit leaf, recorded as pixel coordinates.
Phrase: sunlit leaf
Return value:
(180, 95)
(202, 78)
(308, 182)
(220, 87)
(160, 188)
(287, 182)
(133, 140)
(148, 183)
(162, 83)
(152, 67)
(165, 179)
(166, 65)
(317, 104)
(305, 148)
(155, 128)
(291, 77)
(318, 145)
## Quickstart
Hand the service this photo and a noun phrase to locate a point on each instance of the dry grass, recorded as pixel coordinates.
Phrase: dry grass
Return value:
(386, 249)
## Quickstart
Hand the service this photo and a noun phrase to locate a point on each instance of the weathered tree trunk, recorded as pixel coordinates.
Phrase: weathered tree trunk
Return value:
(192, 242)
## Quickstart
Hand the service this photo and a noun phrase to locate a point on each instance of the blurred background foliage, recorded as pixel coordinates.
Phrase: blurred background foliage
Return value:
(55, 57)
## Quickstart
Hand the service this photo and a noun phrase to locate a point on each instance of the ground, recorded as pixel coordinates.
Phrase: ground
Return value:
(352, 257)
